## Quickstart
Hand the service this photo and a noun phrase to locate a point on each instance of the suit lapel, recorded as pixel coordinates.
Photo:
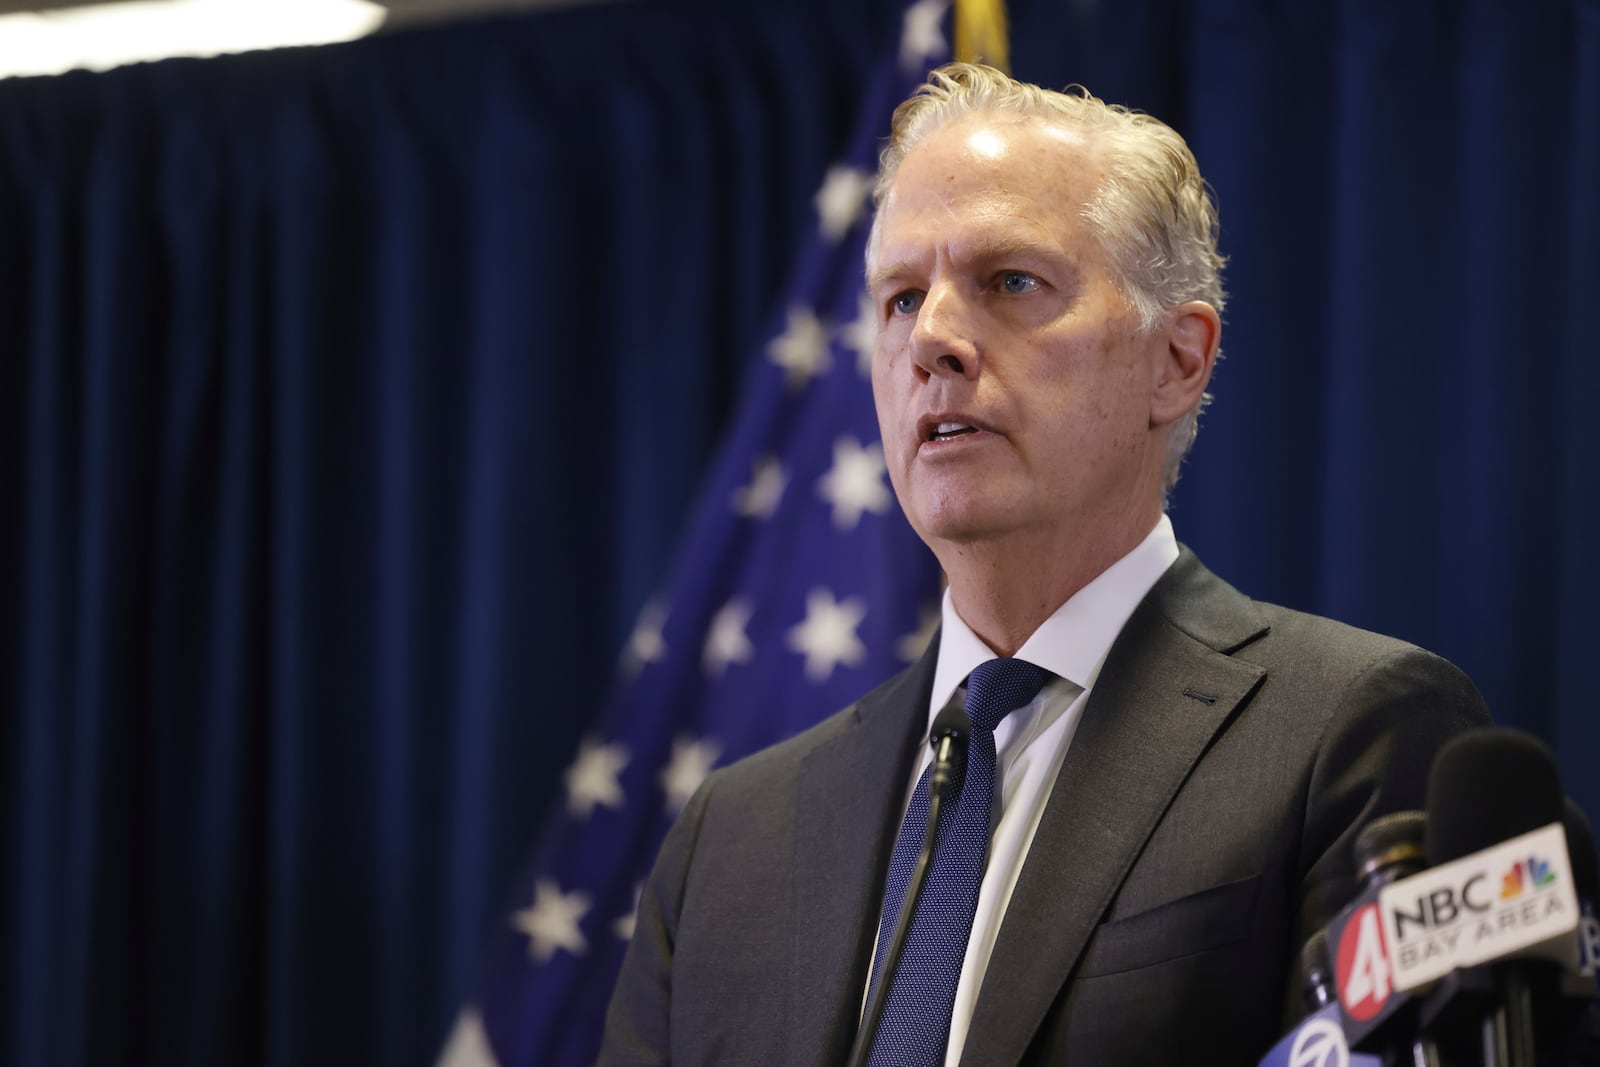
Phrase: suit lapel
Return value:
(1146, 724)
(848, 808)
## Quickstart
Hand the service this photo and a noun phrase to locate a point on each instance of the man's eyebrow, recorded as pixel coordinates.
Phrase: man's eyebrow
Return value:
(1016, 248)
(897, 269)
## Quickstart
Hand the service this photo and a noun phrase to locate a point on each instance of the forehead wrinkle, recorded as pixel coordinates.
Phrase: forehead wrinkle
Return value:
(984, 247)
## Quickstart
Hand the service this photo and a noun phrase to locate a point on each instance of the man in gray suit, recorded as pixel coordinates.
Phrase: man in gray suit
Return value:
(1173, 809)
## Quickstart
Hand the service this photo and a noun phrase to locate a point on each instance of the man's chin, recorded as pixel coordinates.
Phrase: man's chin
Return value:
(966, 527)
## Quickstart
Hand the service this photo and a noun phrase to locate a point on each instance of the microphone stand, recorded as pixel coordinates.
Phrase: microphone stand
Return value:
(1508, 1028)
(948, 730)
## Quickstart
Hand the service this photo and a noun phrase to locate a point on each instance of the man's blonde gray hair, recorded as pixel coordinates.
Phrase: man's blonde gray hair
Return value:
(1153, 213)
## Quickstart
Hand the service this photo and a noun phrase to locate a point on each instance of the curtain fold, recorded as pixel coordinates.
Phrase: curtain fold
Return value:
(356, 396)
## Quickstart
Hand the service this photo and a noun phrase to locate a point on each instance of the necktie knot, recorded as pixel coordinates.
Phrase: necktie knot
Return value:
(998, 687)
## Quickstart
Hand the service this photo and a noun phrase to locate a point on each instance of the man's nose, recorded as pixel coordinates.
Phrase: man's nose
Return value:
(944, 341)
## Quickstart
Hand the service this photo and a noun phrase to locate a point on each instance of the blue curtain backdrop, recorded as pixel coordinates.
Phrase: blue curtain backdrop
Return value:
(352, 398)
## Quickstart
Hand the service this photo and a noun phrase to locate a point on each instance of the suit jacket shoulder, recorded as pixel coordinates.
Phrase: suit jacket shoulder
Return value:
(1201, 825)
(759, 918)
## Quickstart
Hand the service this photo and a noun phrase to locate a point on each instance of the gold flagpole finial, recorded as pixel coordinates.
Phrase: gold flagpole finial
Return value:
(981, 33)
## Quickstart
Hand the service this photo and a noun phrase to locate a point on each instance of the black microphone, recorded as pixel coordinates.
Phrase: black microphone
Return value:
(1316, 974)
(1319, 1037)
(1378, 1017)
(1488, 786)
(951, 728)
(1389, 849)
(1583, 1046)
(1586, 880)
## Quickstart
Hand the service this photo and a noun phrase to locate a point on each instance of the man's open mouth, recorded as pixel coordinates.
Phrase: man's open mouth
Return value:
(946, 430)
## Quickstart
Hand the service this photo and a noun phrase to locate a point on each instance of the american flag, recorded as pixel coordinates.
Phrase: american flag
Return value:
(801, 586)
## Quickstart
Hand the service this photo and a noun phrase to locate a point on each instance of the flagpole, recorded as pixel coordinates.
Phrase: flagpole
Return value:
(981, 34)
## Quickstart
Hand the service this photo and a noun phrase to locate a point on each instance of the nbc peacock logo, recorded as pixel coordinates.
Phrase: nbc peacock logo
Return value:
(1526, 875)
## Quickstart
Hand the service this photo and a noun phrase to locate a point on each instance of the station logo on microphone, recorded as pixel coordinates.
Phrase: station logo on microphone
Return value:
(1362, 972)
(1532, 873)
(1512, 898)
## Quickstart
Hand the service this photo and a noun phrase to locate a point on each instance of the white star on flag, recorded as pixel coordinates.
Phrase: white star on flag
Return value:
(624, 925)
(911, 647)
(760, 499)
(860, 335)
(592, 778)
(827, 637)
(646, 645)
(469, 1044)
(921, 35)
(691, 762)
(855, 482)
(726, 641)
(842, 200)
(802, 349)
(552, 922)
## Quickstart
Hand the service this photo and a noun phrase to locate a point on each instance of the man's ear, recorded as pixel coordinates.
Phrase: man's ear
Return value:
(1192, 335)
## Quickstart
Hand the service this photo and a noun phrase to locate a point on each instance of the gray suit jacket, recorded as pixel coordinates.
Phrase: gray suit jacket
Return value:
(1199, 831)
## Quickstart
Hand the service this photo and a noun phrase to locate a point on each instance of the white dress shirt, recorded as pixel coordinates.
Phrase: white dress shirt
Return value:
(1031, 742)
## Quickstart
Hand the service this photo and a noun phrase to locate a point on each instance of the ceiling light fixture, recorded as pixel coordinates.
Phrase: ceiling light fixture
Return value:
(102, 36)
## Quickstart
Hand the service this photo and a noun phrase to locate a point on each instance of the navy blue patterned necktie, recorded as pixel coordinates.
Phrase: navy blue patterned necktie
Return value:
(916, 1017)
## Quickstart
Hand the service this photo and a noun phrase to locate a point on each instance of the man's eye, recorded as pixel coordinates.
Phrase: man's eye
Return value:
(906, 303)
(1016, 281)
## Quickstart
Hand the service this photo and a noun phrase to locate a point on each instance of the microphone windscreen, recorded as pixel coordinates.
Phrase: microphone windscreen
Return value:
(952, 721)
(1487, 786)
(1580, 850)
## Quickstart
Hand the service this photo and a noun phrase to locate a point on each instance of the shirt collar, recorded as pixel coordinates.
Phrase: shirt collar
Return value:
(1073, 642)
